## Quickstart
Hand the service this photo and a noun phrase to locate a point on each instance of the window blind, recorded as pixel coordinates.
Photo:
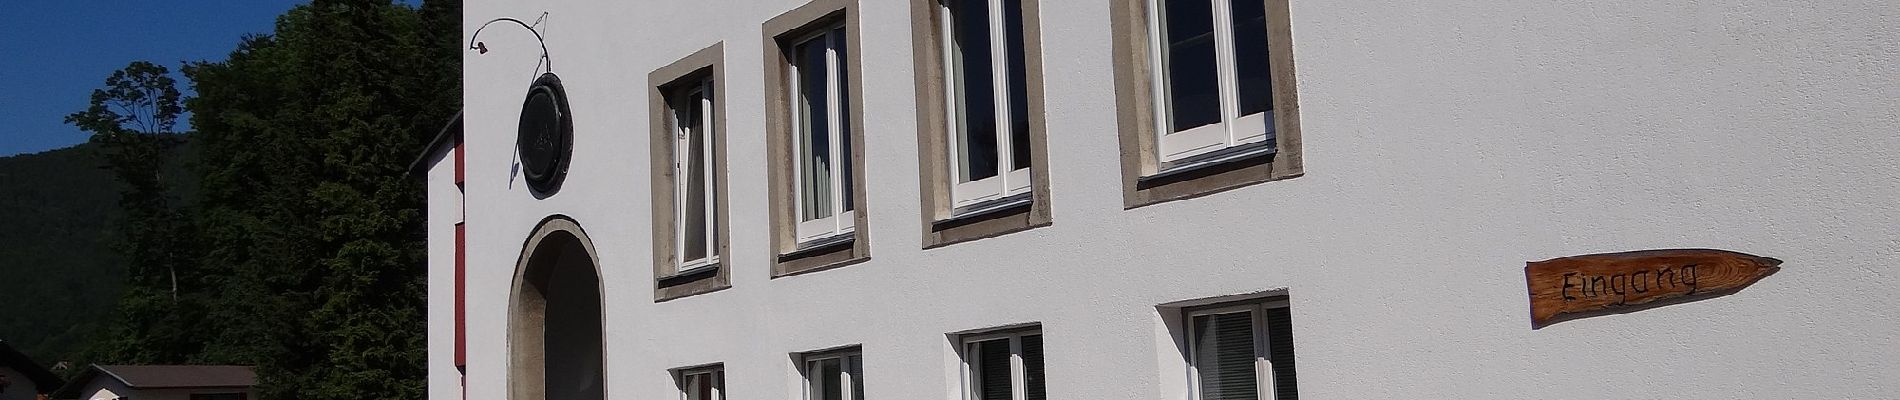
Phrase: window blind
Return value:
(993, 370)
(1032, 368)
(1224, 356)
(1280, 352)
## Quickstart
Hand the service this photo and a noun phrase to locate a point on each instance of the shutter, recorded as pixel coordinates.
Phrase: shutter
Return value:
(992, 370)
(1224, 356)
(1280, 352)
(1032, 368)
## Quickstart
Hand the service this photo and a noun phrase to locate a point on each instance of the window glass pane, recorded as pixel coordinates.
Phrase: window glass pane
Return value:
(990, 368)
(844, 116)
(975, 88)
(693, 390)
(825, 377)
(693, 171)
(699, 387)
(712, 176)
(1193, 80)
(1018, 84)
(1250, 56)
(814, 142)
(1224, 356)
(1032, 368)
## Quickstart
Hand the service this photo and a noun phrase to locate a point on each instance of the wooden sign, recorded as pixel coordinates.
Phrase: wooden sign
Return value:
(1602, 281)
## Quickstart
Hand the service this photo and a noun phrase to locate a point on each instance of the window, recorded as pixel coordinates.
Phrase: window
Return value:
(987, 99)
(688, 161)
(1213, 76)
(1207, 99)
(1241, 351)
(814, 138)
(834, 376)
(980, 117)
(1003, 366)
(695, 183)
(704, 383)
(823, 178)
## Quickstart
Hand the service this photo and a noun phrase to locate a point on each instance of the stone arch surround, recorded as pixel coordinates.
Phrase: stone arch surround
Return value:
(556, 316)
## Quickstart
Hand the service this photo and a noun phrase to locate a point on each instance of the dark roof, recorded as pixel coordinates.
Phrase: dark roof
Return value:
(450, 133)
(180, 376)
(43, 380)
(165, 377)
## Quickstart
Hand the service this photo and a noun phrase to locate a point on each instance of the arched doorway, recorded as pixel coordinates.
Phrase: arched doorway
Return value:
(554, 327)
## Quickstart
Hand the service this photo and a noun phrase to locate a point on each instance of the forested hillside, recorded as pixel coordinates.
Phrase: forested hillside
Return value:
(294, 241)
(59, 272)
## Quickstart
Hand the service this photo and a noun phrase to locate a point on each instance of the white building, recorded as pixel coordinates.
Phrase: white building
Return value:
(1366, 180)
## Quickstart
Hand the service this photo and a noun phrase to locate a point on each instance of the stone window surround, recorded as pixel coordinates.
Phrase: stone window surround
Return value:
(788, 258)
(707, 63)
(940, 227)
(1135, 115)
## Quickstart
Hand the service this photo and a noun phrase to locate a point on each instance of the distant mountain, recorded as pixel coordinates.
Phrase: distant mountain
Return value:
(59, 273)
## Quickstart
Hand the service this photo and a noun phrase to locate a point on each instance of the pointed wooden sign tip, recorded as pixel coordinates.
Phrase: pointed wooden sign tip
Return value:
(1597, 282)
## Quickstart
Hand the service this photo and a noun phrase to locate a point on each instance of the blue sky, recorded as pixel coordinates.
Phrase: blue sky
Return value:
(54, 52)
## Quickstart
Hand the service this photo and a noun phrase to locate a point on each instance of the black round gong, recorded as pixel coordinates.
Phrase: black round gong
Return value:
(546, 140)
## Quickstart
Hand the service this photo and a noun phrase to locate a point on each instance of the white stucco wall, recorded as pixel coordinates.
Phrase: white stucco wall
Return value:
(1446, 143)
(445, 382)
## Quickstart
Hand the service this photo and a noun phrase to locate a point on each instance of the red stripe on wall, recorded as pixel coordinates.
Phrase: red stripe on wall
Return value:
(460, 164)
(461, 286)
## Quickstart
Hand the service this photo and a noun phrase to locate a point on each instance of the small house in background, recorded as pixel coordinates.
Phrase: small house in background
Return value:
(23, 379)
(162, 382)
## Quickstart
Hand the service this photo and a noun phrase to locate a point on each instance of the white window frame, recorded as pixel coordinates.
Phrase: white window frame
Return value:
(847, 380)
(687, 378)
(841, 221)
(1178, 146)
(1010, 179)
(1018, 369)
(1262, 363)
(703, 91)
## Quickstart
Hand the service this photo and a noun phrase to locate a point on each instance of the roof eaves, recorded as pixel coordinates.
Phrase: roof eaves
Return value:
(71, 389)
(450, 133)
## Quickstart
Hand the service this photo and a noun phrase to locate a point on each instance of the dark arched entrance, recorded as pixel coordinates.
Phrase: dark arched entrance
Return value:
(554, 326)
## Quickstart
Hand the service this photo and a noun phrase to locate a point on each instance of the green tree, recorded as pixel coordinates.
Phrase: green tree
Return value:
(131, 118)
(308, 256)
(307, 212)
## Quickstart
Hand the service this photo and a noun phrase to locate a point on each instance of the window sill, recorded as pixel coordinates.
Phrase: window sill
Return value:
(699, 280)
(1213, 160)
(987, 209)
(986, 220)
(822, 244)
(1210, 173)
(818, 255)
(695, 273)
